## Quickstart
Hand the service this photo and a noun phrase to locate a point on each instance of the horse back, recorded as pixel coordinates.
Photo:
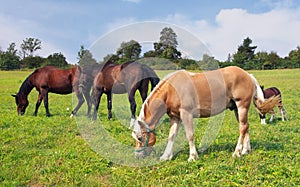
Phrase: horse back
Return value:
(269, 92)
(54, 80)
(208, 93)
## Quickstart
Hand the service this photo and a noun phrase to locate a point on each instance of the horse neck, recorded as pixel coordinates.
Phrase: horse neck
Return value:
(259, 94)
(153, 108)
(25, 88)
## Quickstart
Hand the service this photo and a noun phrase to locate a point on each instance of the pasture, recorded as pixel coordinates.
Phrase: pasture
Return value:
(63, 151)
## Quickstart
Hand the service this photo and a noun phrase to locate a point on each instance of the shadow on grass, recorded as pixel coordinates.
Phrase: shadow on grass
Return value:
(230, 147)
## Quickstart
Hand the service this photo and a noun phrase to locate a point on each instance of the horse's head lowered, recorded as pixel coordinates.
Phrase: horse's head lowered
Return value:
(22, 103)
(145, 139)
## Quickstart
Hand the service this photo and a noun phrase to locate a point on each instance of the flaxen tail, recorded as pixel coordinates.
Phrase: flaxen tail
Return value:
(263, 106)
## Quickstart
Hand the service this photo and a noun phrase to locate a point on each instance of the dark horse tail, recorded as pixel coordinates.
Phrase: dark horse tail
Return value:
(151, 75)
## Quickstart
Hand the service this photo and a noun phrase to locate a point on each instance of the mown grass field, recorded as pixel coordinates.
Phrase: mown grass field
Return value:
(63, 151)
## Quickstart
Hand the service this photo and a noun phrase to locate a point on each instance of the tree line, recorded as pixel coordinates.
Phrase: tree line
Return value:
(24, 58)
(164, 55)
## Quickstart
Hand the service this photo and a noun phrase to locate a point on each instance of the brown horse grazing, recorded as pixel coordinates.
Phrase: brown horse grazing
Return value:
(85, 83)
(271, 92)
(125, 78)
(48, 79)
(184, 96)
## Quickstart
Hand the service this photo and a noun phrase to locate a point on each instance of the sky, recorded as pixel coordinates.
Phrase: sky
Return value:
(216, 27)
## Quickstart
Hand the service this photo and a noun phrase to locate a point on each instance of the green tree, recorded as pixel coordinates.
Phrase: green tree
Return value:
(208, 62)
(85, 57)
(168, 38)
(129, 51)
(56, 59)
(273, 61)
(150, 53)
(167, 45)
(29, 46)
(32, 62)
(9, 59)
(111, 57)
(294, 58)
(261, 60)
(245, 54)
(189, 64)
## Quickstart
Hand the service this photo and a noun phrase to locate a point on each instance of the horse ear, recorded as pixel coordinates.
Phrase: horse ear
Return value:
(14, 95)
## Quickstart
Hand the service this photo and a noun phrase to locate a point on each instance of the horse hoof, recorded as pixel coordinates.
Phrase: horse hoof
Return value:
(71, 116)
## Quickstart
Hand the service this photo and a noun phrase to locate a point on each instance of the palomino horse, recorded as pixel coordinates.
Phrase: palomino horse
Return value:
(184, 96)
(48, 79)
(270, 92)
(124, 78)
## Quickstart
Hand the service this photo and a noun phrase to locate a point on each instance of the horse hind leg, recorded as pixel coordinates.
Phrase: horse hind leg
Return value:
(187, 120)
(144, 89)
(283, 112)
(96, 101)
(46, 103)
(131, 98)
(88, 101)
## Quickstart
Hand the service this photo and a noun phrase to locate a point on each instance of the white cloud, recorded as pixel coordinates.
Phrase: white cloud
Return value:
(277, 30)
(16, 30)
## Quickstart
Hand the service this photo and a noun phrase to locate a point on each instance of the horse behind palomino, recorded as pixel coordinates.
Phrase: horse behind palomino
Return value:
(124, 78)
(184, 96)
(85, 84)
(270, 92)
(48, 79)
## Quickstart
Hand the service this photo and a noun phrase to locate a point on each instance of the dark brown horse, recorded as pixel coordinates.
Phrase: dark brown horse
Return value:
(125, 78)
(85, 83)
(45, 80)
(271, 92)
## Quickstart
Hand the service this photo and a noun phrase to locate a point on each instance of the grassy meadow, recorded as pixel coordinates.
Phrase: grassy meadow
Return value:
(64, 151)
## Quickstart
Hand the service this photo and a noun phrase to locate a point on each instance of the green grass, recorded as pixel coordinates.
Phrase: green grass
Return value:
(63, 151)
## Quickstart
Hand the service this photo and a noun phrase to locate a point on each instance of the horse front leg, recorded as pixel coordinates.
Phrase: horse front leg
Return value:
(243, 144)
(79, 104)
(168, 154)
(109, 104)
(38, 103)
(262, 119)
(187, 120)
